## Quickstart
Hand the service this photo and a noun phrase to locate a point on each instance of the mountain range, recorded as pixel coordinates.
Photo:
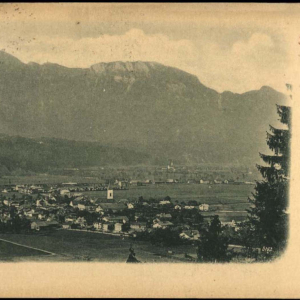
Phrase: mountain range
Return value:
(157, 111)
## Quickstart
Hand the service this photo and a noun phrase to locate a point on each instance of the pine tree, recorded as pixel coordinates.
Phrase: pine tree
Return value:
(213, 243)
(267, 219)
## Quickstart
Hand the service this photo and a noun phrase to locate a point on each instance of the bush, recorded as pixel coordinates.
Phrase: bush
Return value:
(166, 237)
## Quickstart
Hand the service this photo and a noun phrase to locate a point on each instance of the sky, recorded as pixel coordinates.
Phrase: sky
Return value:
(228, 47)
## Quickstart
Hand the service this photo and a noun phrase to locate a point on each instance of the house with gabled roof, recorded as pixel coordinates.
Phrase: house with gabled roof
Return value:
(138, 226)
(115, 219)
(163, 224)
(190, 235)
(114, 207)
(44, 225)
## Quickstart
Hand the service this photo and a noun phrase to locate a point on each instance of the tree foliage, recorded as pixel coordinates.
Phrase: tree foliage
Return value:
(165, 237)
(268, 219)
(213, 243)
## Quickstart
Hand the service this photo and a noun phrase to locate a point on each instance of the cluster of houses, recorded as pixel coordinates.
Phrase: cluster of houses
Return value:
(189, 181)
(62, 189)
(66, 208)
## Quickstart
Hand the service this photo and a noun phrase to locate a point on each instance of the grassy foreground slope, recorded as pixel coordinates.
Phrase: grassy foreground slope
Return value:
(82, 246)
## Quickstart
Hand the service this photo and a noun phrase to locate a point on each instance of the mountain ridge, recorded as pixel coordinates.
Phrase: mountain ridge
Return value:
(162, 111)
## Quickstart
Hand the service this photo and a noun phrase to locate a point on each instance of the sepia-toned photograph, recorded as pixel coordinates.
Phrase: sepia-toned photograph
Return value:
(146, 134)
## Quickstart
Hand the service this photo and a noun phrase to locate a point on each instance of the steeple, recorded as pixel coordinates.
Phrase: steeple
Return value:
(110, 193)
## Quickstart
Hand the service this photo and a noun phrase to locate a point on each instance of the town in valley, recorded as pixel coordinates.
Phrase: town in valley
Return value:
(178, 199)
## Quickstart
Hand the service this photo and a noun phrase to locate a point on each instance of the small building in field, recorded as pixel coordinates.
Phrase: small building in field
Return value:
(81, 221)
(66, 225)
(41, 202)
(118, 227)
(123, 184)
(217, 181)
(41, 216)
(164, 202)
(81, 206)
(7, 202)
(203, 181)
(65, 193)
(163, 225)
(189, 207)
(138, 226)
(134, 182)
(44, 225)
(130, 206)
(107, 227)
(170, 180)
(190, 235)
(97, 225)
(204, 207)
(71, 218)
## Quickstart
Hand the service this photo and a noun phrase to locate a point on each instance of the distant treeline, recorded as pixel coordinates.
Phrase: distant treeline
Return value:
(19, 155)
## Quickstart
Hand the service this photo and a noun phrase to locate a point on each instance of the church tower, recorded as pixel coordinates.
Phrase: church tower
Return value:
(110, 193)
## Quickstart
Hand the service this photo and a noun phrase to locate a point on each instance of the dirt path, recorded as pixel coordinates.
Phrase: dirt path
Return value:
(51, 253)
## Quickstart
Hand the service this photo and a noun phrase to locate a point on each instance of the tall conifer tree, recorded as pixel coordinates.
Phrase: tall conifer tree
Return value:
(268, 214)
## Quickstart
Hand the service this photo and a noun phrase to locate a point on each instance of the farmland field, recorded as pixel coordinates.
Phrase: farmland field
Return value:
(82, 246)
(44, 178)
(222, 194)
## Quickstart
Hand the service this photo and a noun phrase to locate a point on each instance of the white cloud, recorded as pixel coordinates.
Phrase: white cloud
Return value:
(132, 46)
(257, 42)
(247, 65)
